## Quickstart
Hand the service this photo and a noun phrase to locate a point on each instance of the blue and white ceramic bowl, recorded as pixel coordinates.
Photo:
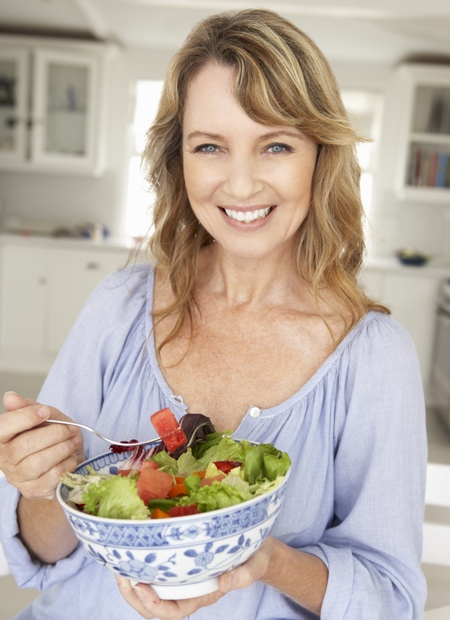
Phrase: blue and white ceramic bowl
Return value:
(180, 557)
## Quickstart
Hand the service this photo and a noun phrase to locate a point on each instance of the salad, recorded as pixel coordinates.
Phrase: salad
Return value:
(204, 470)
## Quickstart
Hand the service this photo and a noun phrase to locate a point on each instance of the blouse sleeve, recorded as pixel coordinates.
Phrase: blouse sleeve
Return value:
(76, 385)
(373, 547)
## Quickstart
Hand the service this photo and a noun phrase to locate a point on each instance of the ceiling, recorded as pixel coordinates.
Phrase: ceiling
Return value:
(385, 31)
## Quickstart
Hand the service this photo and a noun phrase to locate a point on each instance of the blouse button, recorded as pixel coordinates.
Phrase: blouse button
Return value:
(255, 412)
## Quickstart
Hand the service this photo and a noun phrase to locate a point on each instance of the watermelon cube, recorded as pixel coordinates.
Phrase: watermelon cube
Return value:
(168, 428)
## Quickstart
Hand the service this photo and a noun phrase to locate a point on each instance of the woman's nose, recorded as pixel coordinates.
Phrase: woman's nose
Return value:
(242, 178)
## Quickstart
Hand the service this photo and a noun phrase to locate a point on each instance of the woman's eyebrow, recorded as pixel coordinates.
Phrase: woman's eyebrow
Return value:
(204, 134)
(267, 136)
(281, 132)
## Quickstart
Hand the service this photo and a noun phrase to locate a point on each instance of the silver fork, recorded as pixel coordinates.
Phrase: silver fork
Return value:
(112, 441)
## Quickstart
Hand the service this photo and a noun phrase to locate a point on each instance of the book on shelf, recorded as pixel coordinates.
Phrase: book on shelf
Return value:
(439, 115)
(429, 168)
(443, 170)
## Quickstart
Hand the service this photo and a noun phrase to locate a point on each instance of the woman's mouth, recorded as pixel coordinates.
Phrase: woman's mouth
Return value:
(248, 216)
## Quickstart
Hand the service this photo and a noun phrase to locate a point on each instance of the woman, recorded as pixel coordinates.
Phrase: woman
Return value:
(252, 315)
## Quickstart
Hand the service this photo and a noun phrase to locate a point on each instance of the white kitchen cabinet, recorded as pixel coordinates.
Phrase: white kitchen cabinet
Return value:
(43, 289)
(24, 295)
(423, 172)
(73, 275)
(412, 300)
(52, 98)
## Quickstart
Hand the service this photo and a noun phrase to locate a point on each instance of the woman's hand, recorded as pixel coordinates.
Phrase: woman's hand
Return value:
(146, 602)
(33, 455)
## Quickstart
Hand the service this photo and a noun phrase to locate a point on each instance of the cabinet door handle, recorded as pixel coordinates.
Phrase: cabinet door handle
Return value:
(12, 121)
(92, 266)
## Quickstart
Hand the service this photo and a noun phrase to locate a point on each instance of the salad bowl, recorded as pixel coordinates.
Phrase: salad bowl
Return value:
(181, 557)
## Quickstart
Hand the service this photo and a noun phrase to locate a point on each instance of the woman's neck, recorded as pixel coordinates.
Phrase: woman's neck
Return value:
(246, 282)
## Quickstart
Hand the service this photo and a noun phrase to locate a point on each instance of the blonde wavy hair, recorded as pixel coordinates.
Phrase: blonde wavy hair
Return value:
(281, 78)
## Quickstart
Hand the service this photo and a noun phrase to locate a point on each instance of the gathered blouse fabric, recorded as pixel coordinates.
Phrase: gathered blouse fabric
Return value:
(355, 434)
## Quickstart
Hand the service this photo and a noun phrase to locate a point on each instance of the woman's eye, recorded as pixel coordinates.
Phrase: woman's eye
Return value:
(279, 148)
(206, 148)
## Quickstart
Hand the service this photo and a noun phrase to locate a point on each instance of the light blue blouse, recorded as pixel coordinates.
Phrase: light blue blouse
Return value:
(355, 433)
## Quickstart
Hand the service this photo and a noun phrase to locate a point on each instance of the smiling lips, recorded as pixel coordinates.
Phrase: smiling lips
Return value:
(248, 216)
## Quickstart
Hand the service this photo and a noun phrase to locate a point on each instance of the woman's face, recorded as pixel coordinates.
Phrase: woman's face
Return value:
(248, 184)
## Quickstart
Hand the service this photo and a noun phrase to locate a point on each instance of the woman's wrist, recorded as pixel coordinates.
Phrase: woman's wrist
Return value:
(277, 557)
(299, 575)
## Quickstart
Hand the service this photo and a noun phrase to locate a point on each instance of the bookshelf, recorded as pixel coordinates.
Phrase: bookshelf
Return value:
(424, 161)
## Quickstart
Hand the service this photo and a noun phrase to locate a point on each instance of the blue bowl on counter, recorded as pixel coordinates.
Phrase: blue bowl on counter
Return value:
(415, 260)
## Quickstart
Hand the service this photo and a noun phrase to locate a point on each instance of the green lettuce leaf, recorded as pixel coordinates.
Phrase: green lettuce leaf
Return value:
(210, 440)
(78, 483)
(215, 496)
(166, 462)
(264, 461)
(115, 498)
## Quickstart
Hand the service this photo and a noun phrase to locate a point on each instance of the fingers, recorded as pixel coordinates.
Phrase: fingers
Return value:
(38, 451)
(240, 577)
(43, 487)
(35, 460)
(145, 601)
(33, 455)
(16, 421)
(140, 596)
(12, 401)
(250, 571)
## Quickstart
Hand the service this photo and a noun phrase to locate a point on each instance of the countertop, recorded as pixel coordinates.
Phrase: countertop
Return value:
(113, 242)
(438, 267)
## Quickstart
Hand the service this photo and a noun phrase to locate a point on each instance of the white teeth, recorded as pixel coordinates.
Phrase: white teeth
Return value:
(247, 216)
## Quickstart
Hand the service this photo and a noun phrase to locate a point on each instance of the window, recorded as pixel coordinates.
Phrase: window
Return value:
(139, 198)
(365, 109)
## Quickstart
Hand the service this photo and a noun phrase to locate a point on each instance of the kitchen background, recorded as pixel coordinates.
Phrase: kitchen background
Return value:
(79, 84)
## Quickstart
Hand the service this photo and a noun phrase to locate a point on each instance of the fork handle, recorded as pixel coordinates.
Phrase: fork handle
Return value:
(133, 444)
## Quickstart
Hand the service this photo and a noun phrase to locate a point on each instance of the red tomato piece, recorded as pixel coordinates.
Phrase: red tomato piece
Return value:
(168, 428)
(182, 511)
(125, 472)
(153, 483)
(226, 466)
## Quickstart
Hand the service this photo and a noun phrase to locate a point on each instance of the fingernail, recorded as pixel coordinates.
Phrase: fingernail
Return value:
(43, 412)
(11, 394)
